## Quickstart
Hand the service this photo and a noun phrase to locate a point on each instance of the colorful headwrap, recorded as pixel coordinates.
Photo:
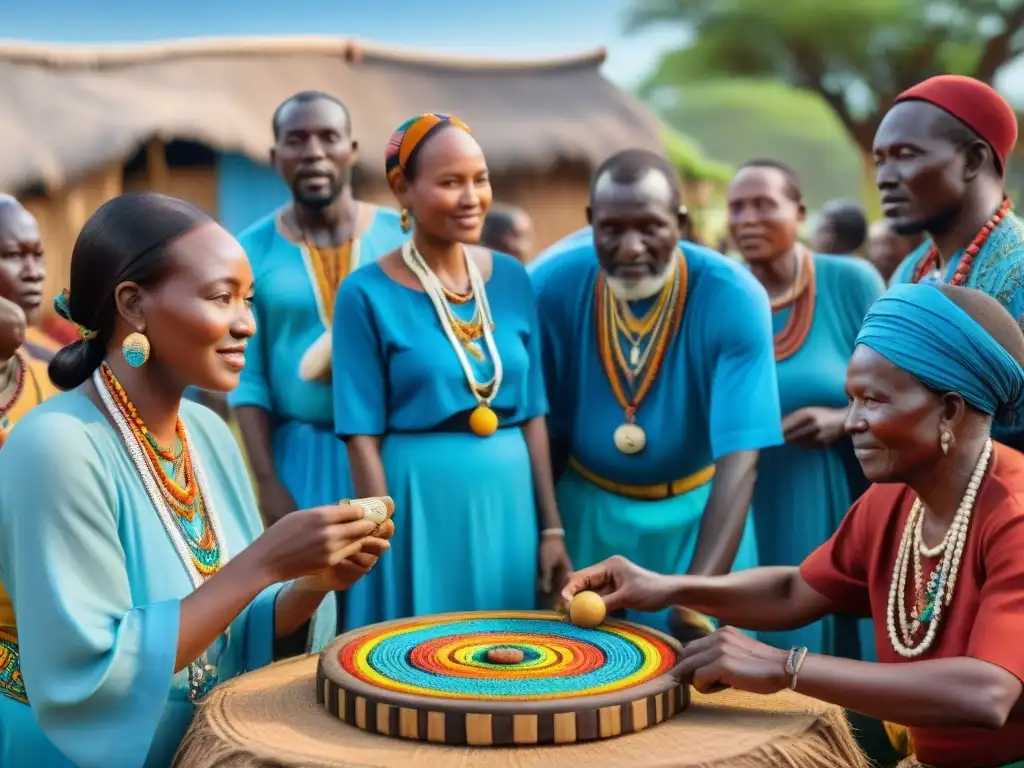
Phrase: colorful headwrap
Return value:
(62, 306)
(409, 136)
(973, 103)
(918, 328)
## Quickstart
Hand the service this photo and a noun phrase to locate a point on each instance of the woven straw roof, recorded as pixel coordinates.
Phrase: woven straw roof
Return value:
(72, 109)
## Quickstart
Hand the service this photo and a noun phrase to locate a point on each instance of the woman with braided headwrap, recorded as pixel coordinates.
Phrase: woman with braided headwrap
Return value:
(439, 395)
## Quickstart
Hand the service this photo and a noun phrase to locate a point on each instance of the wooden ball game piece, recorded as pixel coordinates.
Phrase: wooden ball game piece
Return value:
(587, 610)
(502, 678)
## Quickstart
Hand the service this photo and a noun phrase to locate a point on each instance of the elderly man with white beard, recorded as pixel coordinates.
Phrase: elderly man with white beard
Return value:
(660, 373)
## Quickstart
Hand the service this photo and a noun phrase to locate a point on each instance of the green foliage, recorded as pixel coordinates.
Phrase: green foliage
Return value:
(691, 160)
(791, 125)
(855, 54)
(778, 106)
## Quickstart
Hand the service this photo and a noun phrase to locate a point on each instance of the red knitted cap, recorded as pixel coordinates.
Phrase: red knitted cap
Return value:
(974, 103)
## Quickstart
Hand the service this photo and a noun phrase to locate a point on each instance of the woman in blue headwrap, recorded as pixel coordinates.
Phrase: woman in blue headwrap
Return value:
(932, 552)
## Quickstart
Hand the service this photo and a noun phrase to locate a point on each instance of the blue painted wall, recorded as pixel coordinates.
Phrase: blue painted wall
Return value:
(246, 191)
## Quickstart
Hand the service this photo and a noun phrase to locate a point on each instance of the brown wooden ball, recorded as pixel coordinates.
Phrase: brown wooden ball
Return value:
(505, 656)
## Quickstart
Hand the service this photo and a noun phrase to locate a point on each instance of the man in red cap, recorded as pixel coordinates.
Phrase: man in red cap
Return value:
(940, 158)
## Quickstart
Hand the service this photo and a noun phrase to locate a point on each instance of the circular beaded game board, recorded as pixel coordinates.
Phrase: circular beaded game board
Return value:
(431, 679)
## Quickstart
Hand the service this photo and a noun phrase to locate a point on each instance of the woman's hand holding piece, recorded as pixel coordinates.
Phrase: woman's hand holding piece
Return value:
(333, 543)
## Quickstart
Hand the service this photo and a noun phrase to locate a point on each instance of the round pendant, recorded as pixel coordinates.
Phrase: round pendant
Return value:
(629, 438)
(483, 421)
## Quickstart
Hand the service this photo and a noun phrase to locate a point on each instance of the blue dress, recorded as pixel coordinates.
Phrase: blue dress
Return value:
(310, 460)
(998, 270)
(466, 526)
(97, 587)
(716, 394)
(802, 494)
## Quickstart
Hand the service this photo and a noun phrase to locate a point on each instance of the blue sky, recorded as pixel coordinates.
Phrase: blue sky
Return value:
(500, 28)
(503, 28)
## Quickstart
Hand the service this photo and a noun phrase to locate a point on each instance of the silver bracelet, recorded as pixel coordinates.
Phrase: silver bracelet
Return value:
(553, 532)
(797, 654)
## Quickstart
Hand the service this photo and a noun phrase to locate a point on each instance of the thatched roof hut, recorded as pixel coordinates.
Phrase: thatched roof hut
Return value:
(192, 118)
(71, 109)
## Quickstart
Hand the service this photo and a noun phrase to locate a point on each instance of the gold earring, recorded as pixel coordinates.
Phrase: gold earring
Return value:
(135, 349)
(405, 220)
(944, 441)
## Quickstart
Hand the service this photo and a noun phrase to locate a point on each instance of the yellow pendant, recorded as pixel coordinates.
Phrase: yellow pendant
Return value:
(483, 421)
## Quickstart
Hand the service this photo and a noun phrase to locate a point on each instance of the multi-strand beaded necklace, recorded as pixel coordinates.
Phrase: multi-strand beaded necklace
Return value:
(930, 598)
(801, 297)
(176, 485)
(462, 335)
(468, 332)
(632, 377)
(929, 262)
(176, 476)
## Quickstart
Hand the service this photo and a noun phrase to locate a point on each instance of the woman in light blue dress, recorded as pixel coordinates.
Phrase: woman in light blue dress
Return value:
(439, 395)
(818, 303)
(142, 576)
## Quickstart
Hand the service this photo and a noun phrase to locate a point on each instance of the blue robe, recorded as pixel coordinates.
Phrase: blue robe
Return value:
(466, 525)
(716, 394)
(802, 494)
(309, 459)
(998, 270)
(97, 587)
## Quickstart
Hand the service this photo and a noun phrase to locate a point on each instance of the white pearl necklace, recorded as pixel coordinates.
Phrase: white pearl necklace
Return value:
(435, 290)
(912, 546)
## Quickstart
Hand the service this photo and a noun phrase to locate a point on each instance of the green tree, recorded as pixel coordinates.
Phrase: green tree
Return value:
(856, 55)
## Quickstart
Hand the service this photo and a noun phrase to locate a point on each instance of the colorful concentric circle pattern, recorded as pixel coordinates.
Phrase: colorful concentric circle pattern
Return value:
(444, 657)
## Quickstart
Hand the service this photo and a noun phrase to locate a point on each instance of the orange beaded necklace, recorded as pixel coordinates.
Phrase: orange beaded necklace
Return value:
(19, 385)
(929, 262)
(801, 297)
(183, 497)
(667, 315)
(21, 374)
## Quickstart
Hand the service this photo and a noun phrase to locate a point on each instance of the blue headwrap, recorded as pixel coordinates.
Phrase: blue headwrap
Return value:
(917, 328)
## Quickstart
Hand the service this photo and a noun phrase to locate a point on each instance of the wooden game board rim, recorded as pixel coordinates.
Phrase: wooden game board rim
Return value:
(330, 669)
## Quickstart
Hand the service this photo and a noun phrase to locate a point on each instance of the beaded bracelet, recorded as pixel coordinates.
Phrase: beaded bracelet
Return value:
(553, 532)
(793, 664)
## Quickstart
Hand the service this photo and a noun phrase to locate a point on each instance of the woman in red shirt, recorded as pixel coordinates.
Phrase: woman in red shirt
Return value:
(934, 552)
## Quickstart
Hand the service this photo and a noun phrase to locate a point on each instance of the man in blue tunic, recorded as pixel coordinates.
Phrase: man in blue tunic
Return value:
(660, 372)
(300, 254)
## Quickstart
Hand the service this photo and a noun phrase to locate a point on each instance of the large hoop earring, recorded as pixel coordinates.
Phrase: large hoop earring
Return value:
(135, 349)
(944, 441)
(405, 220)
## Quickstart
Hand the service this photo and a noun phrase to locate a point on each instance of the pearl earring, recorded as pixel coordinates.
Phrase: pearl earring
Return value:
(944, 441)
